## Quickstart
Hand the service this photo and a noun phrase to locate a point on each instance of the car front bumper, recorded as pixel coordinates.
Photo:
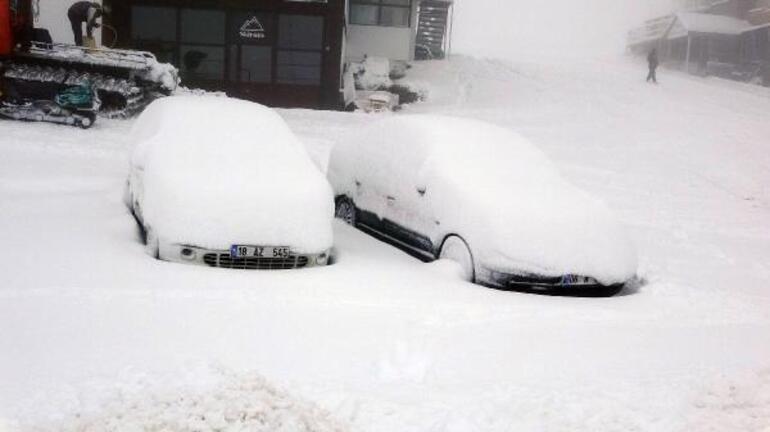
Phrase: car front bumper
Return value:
(553, 284)
(188, 254)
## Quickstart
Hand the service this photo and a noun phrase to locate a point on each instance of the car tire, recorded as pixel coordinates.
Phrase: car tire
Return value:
(346, 211)
(456, 249)
(151, 243)
(603, 291)
(86, 121)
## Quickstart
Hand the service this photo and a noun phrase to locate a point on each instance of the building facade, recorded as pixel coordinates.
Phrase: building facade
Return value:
(725, 38)
(278, 52)
(285, 53)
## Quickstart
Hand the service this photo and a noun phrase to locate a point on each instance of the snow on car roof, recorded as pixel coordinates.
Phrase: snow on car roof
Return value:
(493, 186)
(220, 171)
(416, 145)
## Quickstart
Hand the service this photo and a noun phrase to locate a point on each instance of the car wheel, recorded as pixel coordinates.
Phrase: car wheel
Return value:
(346, 211)
(87, 121)
(603, 291)
(151, 243)
(456, 249)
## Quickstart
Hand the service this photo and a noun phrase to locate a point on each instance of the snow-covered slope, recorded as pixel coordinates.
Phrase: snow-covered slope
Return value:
(384, 342)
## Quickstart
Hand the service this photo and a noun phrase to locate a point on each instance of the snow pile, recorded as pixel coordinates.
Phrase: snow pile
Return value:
(164, 74)
(489, 185)
(187, 91)
(237, 403)
(373, 74)
(212, 172)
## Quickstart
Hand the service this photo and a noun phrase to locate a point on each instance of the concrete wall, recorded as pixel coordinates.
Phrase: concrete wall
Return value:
(395, 43)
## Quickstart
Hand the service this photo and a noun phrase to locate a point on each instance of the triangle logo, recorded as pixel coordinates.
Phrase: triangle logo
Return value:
(252, 25)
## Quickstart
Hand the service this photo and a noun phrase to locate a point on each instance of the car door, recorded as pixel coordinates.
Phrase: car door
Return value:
(406, 217)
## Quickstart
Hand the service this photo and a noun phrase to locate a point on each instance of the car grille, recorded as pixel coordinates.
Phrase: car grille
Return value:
(544, 281)
(534, 280)
(224, 260)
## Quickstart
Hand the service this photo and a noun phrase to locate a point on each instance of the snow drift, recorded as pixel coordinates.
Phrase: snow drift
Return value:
(492, 187)
(234, 402)
(213, 172)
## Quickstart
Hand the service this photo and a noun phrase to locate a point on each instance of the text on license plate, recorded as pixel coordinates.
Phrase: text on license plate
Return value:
(242, 251)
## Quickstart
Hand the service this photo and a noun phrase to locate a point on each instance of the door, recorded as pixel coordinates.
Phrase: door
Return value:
(202, 47)
(250, 52)
(299, 60)
(405, 215)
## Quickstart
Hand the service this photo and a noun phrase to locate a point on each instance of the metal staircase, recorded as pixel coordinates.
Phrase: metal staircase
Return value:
(432, 26)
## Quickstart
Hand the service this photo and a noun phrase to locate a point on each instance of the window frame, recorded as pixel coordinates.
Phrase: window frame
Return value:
(232, 48)
(288, 49)
(379, 4)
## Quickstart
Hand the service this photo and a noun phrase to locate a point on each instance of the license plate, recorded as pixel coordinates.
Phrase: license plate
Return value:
(243, 251)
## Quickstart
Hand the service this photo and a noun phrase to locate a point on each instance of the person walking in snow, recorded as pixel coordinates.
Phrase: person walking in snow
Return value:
(652, 63)
(84, 12)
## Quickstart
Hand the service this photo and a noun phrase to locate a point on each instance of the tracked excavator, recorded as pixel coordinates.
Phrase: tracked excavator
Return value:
(45, 81)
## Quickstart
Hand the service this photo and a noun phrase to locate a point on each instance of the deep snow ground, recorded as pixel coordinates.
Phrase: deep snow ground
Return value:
(386, 343)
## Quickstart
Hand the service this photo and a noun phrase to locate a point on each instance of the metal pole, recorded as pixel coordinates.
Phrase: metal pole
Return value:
(689, 45)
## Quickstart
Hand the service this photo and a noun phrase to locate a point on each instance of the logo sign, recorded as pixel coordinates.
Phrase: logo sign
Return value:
(252, 29)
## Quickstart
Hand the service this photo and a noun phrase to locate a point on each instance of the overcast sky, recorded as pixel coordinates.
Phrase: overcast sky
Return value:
(524, 28)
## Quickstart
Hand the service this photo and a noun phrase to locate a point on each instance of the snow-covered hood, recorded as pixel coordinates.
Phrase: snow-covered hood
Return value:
(223, 172)
(520, 215)
(553, 233)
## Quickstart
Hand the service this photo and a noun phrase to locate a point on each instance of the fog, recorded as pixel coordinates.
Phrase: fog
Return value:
(518, 29)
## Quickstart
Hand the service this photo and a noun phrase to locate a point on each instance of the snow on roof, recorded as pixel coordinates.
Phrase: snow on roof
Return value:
(709, 23)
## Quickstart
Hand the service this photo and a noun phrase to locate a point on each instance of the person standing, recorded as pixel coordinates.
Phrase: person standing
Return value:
(652, 63)
(84, 12)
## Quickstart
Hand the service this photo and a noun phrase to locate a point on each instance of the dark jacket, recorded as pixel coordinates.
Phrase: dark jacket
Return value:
(652, 59)
(85, 12)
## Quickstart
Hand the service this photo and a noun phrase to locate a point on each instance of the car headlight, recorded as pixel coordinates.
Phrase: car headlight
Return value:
(188, 253)
(322, 259)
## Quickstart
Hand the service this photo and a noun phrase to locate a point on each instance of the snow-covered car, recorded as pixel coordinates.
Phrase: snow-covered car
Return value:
(225, 183)
(481, 195)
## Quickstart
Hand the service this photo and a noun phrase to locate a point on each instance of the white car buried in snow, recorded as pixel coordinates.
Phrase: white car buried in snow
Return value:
(225, 183)
(483, 196)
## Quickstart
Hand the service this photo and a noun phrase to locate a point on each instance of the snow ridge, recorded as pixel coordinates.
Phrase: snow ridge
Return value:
(238, 402)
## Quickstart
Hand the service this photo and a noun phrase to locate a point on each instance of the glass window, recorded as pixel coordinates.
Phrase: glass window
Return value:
(394, 16)
(256, 64)
(234, 60)
(153, 23)
(301, 32)
(364, 14)
(203, 26)
(388, 13)
(164, 51)
(202, 62)
(297, 67)
(300, 41)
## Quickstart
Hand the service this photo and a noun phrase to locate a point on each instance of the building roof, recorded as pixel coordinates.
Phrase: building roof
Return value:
(681, 24)
(709, 23)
